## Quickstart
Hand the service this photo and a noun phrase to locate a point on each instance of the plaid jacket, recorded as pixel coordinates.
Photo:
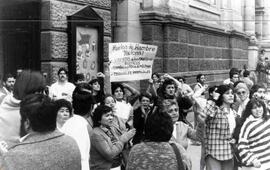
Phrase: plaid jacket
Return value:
(217, 132)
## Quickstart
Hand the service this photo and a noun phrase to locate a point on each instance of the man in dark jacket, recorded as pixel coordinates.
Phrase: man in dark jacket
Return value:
(140, 116)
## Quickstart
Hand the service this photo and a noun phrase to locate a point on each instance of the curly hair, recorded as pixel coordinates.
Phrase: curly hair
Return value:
(98, 113)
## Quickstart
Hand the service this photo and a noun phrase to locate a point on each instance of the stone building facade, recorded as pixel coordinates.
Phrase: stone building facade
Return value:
(193, 36)
(54, 36)
(51, 31)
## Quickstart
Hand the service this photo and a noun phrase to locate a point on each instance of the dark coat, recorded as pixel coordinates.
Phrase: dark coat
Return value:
(139, 119)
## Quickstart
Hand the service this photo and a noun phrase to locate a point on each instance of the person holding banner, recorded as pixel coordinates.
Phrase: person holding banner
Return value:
(123, 106)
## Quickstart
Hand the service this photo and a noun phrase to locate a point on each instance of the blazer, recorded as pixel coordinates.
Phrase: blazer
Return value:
(103, 150)
(37, 151)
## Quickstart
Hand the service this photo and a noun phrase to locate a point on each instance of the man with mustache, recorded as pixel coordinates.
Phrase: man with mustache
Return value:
(62, 89)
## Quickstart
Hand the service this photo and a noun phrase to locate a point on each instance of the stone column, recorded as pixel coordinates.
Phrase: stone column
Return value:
(249, 17)
(252, 57)
(266, 21)
(259, 23)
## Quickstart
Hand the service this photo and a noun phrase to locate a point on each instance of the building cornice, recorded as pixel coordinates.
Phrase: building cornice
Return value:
(155, 17)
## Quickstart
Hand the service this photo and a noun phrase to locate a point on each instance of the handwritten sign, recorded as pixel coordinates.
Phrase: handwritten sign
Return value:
(131, 61)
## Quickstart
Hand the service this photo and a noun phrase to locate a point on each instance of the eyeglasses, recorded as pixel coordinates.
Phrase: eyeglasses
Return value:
(241, 92)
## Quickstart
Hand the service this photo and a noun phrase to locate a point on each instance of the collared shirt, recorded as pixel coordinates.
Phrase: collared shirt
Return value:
(219, 128)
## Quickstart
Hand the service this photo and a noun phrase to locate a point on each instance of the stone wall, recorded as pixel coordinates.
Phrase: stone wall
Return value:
(54, 35)
(187, 49)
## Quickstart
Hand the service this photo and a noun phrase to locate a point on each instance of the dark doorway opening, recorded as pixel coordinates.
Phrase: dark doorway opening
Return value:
(20, 35)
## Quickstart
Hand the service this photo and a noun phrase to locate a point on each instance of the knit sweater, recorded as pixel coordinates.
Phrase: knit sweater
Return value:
(10, 119)
(254, 142)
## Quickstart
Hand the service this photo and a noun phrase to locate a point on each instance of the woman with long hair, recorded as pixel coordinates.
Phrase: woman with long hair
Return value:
(254, 137)
(220, 124)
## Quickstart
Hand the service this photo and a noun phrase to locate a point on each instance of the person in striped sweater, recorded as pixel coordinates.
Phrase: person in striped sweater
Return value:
(253, 144)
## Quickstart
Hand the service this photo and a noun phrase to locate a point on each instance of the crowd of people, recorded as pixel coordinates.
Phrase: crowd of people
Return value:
(77, 126)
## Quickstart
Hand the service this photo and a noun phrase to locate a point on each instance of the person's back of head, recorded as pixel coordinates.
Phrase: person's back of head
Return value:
(159, 127)
(28, 82)
(40, 112)
(79, 78)
(82, 99)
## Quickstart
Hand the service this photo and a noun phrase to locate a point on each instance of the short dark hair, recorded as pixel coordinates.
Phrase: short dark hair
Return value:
(255, 88)
(145, 95)
(28, 82)
(82, 99)
(97, 114)
(8, 75)
(79, 76)
(116, 85)
(63, 103)
(165, 84)
(62, 69)
(91, 82)
(212, 89)
(198, 77)
(159, 127)
(155, 73)
(41, 112)
(246, 73)
(233, 71)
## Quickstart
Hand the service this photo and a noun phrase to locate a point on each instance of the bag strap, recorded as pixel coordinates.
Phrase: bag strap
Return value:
(178, 157)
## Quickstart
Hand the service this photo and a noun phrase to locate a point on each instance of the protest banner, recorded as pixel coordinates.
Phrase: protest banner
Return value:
(131, 61)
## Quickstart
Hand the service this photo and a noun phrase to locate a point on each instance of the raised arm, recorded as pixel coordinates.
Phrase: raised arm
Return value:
(135, 93)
